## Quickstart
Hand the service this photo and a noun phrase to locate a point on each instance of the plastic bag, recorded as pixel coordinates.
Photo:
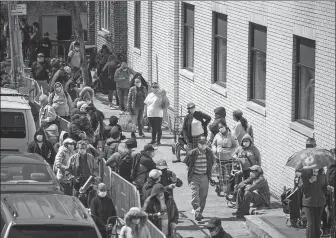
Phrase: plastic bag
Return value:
(126, 122)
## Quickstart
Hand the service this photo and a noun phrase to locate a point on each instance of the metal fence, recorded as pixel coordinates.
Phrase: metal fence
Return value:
(58, 52)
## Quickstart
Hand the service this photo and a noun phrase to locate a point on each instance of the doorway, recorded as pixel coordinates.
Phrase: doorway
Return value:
(64, 27)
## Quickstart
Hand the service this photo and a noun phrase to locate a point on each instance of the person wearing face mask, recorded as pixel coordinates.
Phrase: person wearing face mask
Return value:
(195, 125)
(62, 75)
(61, 161)
(136, 98)
(135, 224)
(154, 177)
(60, 101)
(102, 208)
(162, 210)
(199, 162)
(220, 114)
(215, 228)
(122, 77)
(75, 58)
(156, 103)
(47, 114)
(255, 189)
(42, 146)
(40, 72)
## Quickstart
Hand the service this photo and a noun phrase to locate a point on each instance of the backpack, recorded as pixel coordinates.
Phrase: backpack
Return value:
(113, 148)
(250, 131)
(125, 167)
(139, 172)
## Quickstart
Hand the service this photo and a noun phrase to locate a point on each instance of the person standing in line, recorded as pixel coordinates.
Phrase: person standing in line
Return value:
(195, 125)
(44, 46)
(72, 44)
(102, 58)
(25, 37)
(34, 40)
(40, 72)
(75, 59)
(199, 162)
(156, 101)
(136, 98)
(135, 224)
(60, 101)
(123, 80)
(108, 72)
(241, 127)
(220, 114)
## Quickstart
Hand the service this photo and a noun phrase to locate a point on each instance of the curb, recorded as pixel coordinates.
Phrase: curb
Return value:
(261, 228)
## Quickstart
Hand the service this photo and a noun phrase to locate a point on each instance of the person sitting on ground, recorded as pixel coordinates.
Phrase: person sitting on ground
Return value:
(154, 177)
(168, 178)
(122, 161)
(60, 101)
(215, 228)
(42, 146)
(113, 123)
(220, 114)
(102, 208)
(255, 189)
(135, 224)
(162, 210)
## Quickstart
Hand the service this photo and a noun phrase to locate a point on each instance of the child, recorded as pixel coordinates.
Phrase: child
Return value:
(113, 123)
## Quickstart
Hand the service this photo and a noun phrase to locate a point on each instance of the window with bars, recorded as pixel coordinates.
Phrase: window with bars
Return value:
(137, 23)
(220, 48)
(105, 11)
(304, 80)
(188, 36)
(258, 41)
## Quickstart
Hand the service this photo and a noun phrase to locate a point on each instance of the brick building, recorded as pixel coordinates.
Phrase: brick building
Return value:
(260, 57)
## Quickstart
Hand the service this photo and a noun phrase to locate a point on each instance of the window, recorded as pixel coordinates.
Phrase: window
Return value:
(105, 11)
(304, 80)
(188, 36)
(220, 36)
(12, 125)
(258, 39)
(28, 173)
(137, 23)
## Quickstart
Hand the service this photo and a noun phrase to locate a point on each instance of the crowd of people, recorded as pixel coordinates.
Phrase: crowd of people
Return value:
(78, 151)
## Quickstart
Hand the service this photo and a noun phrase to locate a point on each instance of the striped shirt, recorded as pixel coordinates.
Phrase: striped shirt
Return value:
(201, 165)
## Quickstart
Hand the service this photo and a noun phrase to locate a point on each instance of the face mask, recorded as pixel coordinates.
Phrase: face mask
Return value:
(202, 147)
(138, 85)
(214, 232)
(39, 138)
(161, 196)
(102, 194)
(136, 221)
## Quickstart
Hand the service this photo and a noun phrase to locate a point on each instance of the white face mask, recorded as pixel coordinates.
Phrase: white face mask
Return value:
(39, 138)
(246, 144)
(102, 194)
(136, 221)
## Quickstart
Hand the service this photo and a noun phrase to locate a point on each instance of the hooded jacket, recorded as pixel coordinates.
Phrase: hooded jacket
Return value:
(248, 156)
(129, 230)
(80, 123)
(198, 115)
(62, 137)
(114, 160)
(260, 185)
(220, 114)
(152, 207)
(61, 161)
(101, 209)
(47, 114)
(122, 78)
(61, 102)
(86, 94)
(147, 188)
(46, 150)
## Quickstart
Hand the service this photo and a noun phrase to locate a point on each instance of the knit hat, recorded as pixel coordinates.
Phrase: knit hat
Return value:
(131, 143)
(220, 111)
(155, 173)
(135, 212)
(113, 120)
(114, 133)
(238, 113)
(161, 164)
(157, 188)
(69, 141)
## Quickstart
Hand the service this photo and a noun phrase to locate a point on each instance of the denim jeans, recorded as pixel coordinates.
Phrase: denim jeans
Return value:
(156, 123)
(137, 120)
(122, 94)
(199, 185)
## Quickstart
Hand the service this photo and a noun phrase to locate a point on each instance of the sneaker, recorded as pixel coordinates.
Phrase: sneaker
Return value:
(198, 217)
(141, 134)
(158, 143)
(152, 142)
(133, 135)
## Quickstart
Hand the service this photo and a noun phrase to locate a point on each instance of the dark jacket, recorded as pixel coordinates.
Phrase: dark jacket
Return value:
(111, 146)
(166, 180)
(191, 158)
(46, 151)
(143, 81)
(39, 70)
(152, 206)
(260, 185)
(146, 164)
(25, 30)
(136, 98)
(331, 175)
(59, 76)
(147, 189)
(107, 74)
(222, 234)
(101, 210)
(198, 115)
(80, 123)
(44, 47)
(314, 194)
(220, 114)
(73, 164)
(248, 156)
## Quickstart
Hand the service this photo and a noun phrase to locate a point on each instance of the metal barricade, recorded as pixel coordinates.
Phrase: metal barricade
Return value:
(154, 231)
(58, 52)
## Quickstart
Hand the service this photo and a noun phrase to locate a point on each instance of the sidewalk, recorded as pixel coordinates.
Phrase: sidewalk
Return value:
(216, 206)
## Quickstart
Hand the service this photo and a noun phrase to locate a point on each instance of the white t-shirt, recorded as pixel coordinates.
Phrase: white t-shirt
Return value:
(153, 106)
(196, 128)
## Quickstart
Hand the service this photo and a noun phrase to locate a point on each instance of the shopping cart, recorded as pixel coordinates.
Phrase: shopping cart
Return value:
(178, 141)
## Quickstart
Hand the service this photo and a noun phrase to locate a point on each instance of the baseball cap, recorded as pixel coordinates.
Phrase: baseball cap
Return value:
(310, 143)
(190, 105)
(238, 113)
(202, 140)
(40, 55)
(131, 143)
(155, 173)
(162, 164)
(148, 148)
(213, 222)
(256, 168)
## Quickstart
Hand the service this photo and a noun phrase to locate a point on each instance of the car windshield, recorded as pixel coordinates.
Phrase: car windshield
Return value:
(52, 231)
(25, 173)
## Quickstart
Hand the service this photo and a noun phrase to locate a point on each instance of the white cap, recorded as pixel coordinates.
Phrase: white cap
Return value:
(155, 173)
(67, 69)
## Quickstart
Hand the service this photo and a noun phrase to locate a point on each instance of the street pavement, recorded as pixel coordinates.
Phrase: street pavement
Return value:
(216, 206)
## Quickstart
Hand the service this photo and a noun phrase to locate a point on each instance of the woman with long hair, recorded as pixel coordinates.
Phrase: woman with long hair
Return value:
(135, 224)
(156, 102)
(240, 129)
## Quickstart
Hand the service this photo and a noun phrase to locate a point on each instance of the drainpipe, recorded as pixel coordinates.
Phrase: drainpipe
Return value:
(176, 57)
(150, 42)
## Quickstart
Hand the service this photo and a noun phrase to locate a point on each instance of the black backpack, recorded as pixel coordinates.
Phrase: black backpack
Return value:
(125, 167)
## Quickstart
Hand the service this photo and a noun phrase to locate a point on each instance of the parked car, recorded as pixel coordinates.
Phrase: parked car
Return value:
(45, 216)
(17, 123)
(26, 172)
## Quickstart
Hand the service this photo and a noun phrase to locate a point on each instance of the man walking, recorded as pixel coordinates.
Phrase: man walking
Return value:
(199, 162)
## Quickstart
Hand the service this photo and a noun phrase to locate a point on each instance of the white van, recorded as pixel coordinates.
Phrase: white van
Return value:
(17, 122)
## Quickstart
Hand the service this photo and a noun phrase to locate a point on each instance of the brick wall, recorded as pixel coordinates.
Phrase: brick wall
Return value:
(273, 134)
(91, 23)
